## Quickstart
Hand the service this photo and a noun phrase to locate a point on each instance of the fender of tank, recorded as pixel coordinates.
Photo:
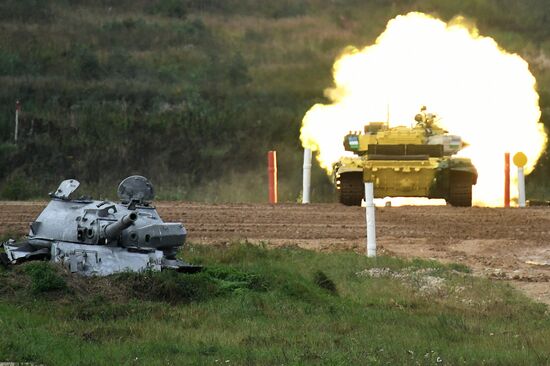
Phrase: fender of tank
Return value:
(102, 237)
(405, 162)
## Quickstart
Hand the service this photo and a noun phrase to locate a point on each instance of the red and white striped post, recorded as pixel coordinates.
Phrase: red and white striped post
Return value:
(272, 175)
(507, 179)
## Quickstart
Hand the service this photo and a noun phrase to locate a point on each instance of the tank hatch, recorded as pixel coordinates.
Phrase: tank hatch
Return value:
(136, 189)
(65, 189)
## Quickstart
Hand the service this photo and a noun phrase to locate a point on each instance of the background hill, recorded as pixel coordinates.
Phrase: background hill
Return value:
(193, 93)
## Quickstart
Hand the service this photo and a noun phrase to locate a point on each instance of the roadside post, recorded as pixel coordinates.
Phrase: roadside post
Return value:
(272, 175)
(371, 225)
(507, 179)
(306, 179)
(520, 159)
(17, 109)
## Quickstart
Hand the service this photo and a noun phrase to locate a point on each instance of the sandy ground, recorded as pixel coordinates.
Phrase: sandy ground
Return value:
(507, 244)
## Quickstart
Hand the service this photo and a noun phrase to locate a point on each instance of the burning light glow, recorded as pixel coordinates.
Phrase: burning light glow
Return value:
(481, 93)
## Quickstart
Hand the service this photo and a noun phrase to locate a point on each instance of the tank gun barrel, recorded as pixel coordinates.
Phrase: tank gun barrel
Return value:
(113, 231)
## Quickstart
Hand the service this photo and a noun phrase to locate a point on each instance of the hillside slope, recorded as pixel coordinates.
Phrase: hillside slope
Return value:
(193, 93)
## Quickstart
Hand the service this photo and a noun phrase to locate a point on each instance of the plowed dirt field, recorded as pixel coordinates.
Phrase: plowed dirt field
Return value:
(505, 244)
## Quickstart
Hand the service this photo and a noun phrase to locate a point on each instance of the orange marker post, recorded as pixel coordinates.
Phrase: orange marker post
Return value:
(272, 175)
(507, 179)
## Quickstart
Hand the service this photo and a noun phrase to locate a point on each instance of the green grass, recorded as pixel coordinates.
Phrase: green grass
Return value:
(286, 306)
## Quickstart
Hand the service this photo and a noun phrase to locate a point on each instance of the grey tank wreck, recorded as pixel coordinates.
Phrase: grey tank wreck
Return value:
(102, 237)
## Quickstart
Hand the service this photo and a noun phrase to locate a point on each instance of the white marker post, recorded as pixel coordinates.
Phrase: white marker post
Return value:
(521, 187)
(17, 109)
(306, 186)
(520, 159)
(371, 226)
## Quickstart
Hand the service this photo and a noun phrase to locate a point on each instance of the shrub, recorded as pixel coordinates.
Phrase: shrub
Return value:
(285, 9)
(16, 187)
(237, 71)
(169, 286)
(85, 62)
(120, 63)
(459, 267)
(44, 277)
(10, 64)
(170, 8)
(323, 281)
(230, 279)
(174, 287)
(25, 10)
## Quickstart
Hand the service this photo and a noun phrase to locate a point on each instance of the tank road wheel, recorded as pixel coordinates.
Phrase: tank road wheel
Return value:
(460, 190)
(352, 189)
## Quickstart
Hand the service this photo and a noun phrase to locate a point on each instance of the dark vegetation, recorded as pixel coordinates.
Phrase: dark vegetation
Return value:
(254, 306)
(192, 93)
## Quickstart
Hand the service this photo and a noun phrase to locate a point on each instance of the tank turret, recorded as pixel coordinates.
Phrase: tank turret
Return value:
(102, 237)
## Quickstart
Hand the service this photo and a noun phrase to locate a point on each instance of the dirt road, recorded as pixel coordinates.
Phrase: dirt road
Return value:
(507, 244)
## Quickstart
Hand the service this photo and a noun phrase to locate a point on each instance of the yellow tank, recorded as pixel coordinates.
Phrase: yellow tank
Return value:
(405, 162)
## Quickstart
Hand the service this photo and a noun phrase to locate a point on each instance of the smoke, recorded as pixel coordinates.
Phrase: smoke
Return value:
(481, 92)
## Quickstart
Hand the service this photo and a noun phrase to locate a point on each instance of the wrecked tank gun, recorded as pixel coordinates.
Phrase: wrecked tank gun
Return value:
(102, 237)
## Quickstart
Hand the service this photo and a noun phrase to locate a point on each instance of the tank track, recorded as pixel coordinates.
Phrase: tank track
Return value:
(460, 190)
(352, 188)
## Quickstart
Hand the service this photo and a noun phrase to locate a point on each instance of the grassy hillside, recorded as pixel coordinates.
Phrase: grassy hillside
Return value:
(192, 93)
(253, 306)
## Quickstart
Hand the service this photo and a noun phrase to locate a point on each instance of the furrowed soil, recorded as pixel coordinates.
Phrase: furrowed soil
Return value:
(505, 244)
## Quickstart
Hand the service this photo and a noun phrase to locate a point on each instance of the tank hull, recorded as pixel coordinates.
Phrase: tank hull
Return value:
(448, 178)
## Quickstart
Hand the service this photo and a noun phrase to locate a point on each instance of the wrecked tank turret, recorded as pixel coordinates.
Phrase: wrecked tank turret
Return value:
(102, 237)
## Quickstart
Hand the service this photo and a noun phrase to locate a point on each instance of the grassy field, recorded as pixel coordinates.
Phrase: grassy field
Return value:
(254, 306)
